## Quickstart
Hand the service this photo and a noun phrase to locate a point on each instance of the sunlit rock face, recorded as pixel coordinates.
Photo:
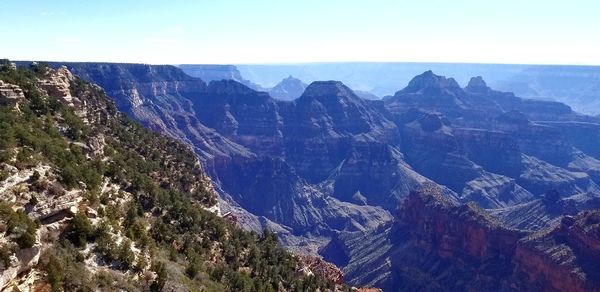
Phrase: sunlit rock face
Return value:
(436, 243)
(10, 94)
(58, 83)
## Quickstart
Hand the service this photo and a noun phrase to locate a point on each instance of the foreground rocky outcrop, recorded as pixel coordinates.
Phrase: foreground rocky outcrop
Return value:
(316, 265)
(11, 94)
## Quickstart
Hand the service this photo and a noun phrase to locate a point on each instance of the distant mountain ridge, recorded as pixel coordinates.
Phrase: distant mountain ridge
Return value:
(216, 73)
(575, 85)
(289, 88)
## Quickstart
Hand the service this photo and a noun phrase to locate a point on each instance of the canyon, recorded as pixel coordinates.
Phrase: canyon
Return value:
(330, 171)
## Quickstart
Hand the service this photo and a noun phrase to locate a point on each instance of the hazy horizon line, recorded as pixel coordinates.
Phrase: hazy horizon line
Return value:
(316, 63)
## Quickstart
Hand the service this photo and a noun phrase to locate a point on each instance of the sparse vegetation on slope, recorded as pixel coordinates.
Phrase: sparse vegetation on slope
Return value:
(103, 204)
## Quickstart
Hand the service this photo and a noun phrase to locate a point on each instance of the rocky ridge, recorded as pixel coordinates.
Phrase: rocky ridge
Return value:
(93, 201)
(564, 257)
(440, 245)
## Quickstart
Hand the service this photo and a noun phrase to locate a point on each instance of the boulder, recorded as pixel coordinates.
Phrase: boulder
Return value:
(22, 261)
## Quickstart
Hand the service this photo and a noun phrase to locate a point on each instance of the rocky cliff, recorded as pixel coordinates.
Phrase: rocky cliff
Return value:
(10, 94)
(564, 257)
(438, 244)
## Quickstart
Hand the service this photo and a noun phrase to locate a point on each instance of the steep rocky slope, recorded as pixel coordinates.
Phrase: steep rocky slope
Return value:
(437, 244)
(236, 132)
(92, 201)
(565, 257)
(477, 133)
(287, 173)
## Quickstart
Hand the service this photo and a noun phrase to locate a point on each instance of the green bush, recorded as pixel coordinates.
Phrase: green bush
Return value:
(19, 226)
(5, 252)
(141, 263)
(80, 230)
(3, 173)
(161, 276)
(55, 272)
(105, 243)
(126, 257)
(69, 176)
(34, 177)
(64, 269)
(192, 268)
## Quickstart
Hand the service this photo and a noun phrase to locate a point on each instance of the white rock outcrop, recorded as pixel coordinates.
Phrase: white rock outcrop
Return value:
(10, 94)
(23, 260)
(57, 83)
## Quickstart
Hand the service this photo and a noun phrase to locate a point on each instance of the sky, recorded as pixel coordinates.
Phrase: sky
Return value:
(285, 31)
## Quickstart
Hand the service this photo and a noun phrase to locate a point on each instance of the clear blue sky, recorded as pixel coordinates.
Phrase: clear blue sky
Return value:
(244, 31)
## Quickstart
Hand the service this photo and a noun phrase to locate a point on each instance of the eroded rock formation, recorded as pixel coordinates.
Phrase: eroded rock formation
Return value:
(438, 244)
(10, 94)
